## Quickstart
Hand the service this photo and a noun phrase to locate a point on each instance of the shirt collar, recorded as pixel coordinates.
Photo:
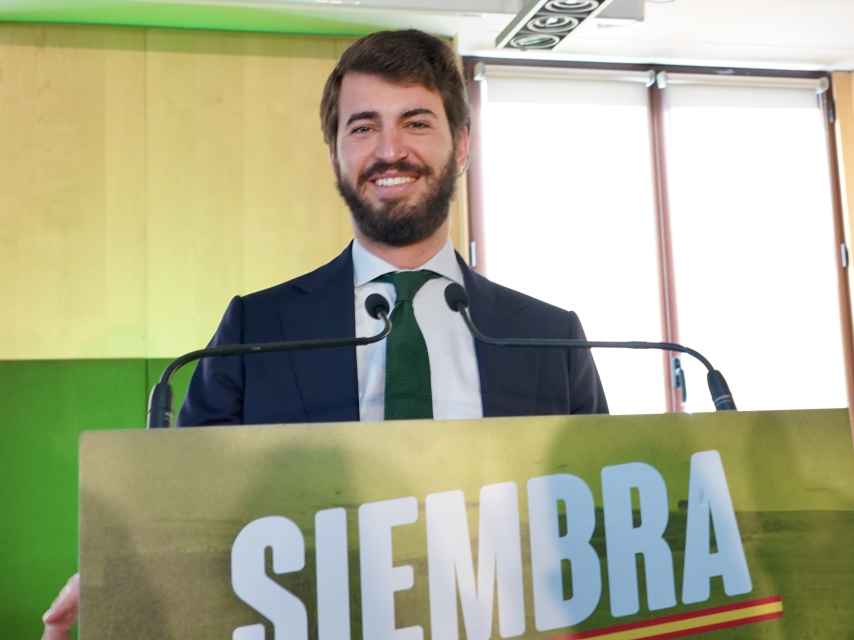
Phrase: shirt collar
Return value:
(368, 267)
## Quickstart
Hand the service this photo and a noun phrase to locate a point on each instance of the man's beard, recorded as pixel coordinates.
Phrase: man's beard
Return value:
(398, 224)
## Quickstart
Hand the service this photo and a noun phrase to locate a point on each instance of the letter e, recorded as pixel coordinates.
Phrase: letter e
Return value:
(380, 579)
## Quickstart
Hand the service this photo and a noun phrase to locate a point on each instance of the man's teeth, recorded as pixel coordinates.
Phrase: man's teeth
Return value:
(392, 182)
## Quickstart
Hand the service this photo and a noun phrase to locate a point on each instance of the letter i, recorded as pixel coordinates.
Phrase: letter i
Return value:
(333, 574)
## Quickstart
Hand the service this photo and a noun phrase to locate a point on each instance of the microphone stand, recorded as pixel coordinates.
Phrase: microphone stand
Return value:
(160, 400)
(457, 300)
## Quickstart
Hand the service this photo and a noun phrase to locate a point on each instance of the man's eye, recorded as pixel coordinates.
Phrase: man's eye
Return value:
(418, 124)
(360, 129)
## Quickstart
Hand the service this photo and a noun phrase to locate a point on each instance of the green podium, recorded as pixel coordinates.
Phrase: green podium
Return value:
(734, 525)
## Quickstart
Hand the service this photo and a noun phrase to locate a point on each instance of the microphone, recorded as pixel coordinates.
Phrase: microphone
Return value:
(377, 307)
(458, 301)
(160, 400)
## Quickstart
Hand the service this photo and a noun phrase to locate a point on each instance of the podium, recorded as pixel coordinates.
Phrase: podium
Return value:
(737, 525)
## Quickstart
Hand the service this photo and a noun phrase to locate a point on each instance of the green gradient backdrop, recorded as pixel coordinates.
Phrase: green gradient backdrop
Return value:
(46, 405)
(176, 14)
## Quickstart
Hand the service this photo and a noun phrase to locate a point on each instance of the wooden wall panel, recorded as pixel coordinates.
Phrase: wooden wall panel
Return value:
(295, 219)
(155, 173)
(70, 224)
(843, 91)
(194, 180)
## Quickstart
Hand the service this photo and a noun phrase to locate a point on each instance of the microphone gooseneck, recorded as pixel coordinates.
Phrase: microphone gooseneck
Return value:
(457, 299)
(160, 400)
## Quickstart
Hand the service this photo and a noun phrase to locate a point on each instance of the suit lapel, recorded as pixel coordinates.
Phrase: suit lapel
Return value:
(508, 376)
(321, 306)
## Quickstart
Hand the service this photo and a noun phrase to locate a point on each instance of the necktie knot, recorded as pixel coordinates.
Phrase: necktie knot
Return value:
(407, 283)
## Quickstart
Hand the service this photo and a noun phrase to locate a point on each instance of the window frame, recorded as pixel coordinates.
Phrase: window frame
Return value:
(473, 67)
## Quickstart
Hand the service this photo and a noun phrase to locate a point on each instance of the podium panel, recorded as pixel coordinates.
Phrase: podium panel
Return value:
(623, 528)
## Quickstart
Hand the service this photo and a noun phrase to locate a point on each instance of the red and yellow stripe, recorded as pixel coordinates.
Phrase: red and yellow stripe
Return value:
(685, 624)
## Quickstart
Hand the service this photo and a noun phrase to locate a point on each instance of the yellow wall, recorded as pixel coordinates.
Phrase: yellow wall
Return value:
(843, 91)
(151, 174)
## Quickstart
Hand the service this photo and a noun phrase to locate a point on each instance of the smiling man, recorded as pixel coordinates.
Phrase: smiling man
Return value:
(395, 118)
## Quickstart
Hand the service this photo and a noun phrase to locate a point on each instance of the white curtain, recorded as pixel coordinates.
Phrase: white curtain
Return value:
(569, 210)
(753, 242)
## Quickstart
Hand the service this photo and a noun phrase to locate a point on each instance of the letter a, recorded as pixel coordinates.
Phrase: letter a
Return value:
(709, 503)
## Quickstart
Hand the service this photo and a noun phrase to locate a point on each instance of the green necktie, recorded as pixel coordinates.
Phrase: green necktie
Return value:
(407, 368)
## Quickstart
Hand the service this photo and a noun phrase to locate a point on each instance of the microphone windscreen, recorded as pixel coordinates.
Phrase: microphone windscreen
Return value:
(721, 395)
(375, 305)
(456, 297)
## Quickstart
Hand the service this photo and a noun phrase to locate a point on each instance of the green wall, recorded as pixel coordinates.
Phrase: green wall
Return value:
(46, 405)
(181, 15)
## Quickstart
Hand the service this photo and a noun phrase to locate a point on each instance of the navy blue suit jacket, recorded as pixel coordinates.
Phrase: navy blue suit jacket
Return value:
(322, 385)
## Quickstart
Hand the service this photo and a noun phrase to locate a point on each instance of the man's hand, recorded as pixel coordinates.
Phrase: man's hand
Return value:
(63, 612)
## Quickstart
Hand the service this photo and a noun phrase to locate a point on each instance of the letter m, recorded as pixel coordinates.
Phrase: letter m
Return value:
(451, 569)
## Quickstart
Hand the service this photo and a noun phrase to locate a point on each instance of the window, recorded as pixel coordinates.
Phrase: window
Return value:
(752, 231)
(570, 217)
(569, 212)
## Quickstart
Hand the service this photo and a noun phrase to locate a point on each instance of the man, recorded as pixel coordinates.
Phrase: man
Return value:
(395, 118)
(396, 121)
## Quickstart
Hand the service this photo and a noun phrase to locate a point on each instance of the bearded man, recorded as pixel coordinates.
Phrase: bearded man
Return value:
(395, 118)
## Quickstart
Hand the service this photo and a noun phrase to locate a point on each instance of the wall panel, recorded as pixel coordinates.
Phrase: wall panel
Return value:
(843, 92)
(46, 403)
(154, 174)
(194, 181)
(295, 220)
(71, 228)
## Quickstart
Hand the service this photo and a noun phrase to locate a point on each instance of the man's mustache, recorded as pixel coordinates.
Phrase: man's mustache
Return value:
(380, 167)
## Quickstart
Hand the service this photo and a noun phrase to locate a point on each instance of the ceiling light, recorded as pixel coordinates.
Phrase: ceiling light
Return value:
(534, 41)
(543, 24)
(552, 24)
(574, 7)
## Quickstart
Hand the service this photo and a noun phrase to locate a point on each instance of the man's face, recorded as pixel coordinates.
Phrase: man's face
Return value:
(395, 160)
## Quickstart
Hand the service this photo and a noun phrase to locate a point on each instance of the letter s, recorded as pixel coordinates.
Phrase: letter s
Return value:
(251, 583)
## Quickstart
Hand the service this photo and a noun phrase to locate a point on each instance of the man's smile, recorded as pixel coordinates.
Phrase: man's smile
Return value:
(394, 183)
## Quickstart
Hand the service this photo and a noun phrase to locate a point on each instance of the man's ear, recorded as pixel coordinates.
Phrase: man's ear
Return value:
(333, 158)
(461, 152)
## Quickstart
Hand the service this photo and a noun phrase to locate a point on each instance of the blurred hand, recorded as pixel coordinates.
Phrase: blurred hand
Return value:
(62, 614)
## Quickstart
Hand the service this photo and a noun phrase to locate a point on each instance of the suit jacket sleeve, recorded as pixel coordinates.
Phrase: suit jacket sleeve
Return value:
(215, 395)
(586, 392)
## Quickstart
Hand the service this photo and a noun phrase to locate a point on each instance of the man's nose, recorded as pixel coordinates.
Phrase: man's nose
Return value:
(391, 145)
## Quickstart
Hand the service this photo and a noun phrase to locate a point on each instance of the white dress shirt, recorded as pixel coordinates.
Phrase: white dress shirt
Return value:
(454, 375)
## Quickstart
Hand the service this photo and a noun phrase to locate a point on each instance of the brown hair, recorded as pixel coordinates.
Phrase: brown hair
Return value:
(405, 57)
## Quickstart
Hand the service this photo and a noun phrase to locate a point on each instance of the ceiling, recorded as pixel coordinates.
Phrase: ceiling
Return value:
(797, 34)
(776, 33)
